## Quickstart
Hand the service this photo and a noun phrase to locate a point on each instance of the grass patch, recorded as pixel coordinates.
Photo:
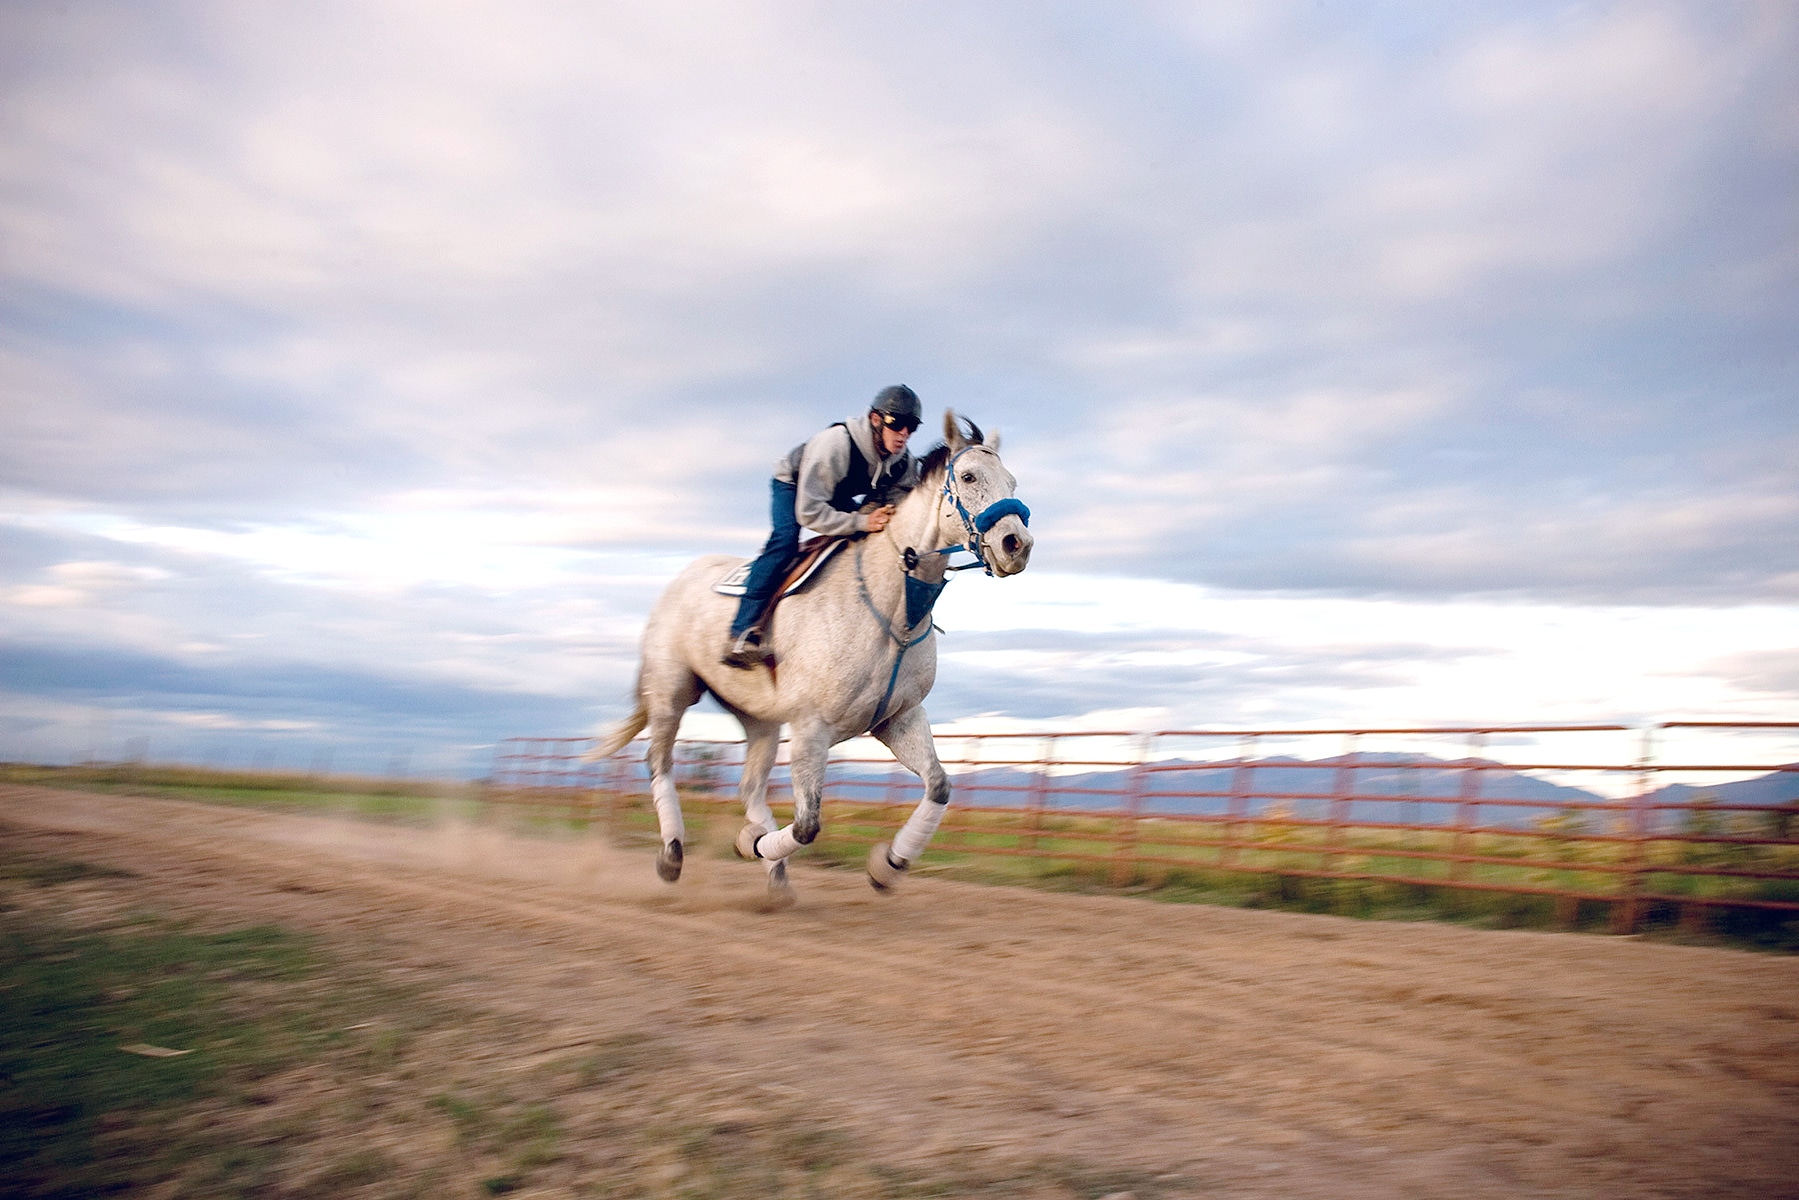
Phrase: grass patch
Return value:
(38, 870)
(353, 1170)
(100, 1026)
(344, 795)
(802, 1157)
(524, 1135)
(149, 1055)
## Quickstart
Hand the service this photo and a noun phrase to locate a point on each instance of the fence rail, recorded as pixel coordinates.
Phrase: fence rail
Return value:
(1585, 814)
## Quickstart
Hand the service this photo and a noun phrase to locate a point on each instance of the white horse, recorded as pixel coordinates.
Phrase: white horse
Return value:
(853, 653)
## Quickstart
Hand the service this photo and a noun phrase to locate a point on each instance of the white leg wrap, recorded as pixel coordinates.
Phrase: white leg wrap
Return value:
(778, 844)
(668, 809)
(918, 830)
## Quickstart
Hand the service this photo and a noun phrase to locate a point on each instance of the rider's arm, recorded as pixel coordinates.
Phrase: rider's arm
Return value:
(822, 467)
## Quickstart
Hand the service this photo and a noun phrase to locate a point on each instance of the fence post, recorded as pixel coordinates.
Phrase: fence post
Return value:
(1625, 912)
(1039, 796)
(954, 832)
(1124, 853)
(1467, 806)
(580, 784)
(597, 771)
(1237, 810)
(616, 773)
(490, 793)
(1342, 792)
(543, 778)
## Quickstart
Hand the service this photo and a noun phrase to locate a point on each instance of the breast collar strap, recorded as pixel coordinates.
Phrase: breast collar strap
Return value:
(921, 596)
(902, 642)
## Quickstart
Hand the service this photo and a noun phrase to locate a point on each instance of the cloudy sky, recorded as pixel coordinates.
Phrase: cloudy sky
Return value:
(366, 369)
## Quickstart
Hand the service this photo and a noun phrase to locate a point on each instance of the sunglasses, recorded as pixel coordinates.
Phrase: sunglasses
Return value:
(893, 422)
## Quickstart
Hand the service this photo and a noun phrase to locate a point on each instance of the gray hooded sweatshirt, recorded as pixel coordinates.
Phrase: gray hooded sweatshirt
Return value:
(830, 476)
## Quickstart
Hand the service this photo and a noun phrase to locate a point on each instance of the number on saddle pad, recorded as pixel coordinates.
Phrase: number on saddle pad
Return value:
(734, 583)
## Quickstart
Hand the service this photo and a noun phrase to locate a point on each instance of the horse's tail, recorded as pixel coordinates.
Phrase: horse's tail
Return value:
(615, 738)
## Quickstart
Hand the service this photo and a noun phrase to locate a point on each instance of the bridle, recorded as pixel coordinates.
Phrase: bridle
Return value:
(974, 525)
(921, 596)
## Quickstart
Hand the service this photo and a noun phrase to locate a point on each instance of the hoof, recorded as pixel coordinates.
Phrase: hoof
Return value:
(884, 872)
(745, 846)
(780, 891)
(668, 861)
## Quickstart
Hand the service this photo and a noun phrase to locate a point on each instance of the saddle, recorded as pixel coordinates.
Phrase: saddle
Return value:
(813, 554)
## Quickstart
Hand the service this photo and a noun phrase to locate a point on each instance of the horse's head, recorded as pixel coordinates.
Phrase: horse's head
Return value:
(976, 502)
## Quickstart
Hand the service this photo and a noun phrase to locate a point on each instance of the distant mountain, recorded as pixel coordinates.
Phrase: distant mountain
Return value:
(1398, 788)
(1771, 790)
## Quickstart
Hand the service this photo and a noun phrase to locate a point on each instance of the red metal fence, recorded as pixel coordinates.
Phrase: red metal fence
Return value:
(1699, 816)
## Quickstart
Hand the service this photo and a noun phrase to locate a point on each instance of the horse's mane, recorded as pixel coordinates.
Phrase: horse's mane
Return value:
(937, 457)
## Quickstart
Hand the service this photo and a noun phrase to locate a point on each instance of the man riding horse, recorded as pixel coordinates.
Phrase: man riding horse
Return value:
(856, 644)
(845, 480)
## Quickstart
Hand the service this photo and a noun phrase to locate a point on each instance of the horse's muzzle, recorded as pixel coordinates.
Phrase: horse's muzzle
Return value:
(1009, 546)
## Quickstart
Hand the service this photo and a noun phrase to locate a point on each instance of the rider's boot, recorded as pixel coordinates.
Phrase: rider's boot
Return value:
(745, 650)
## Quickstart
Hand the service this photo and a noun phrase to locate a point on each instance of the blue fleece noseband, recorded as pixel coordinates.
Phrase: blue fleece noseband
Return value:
(994, 513)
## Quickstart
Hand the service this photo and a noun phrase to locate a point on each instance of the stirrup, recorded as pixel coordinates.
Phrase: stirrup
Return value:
(745, 651)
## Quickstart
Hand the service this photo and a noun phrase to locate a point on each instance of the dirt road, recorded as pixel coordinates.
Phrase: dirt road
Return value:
(966, 1031)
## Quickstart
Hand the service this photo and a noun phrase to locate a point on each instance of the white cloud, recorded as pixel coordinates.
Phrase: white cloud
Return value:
(81, 583)
(45, 596)
(217, 720)
(1419, 662)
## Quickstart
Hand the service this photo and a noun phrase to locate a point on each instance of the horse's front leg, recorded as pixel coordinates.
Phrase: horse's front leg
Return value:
(908, 735)
(762, 743)
(811, 746)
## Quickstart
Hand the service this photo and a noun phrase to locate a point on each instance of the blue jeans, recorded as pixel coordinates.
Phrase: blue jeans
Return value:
(783, 543)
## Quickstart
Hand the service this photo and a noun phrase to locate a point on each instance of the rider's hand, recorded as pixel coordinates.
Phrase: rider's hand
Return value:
(877, 520)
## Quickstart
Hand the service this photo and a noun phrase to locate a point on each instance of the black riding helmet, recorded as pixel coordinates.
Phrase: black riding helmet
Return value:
(899, 405)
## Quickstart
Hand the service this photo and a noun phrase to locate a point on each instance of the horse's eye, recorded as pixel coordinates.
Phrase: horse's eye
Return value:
(968, 477)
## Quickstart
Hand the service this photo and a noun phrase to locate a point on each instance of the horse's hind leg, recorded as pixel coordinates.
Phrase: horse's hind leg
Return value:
(665, 721)
(908, 735)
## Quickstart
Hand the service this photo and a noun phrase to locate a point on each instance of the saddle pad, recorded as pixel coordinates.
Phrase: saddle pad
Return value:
(733, 583)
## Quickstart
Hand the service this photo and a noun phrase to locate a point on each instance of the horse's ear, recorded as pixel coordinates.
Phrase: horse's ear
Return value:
(952, 431)
(993, 441)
